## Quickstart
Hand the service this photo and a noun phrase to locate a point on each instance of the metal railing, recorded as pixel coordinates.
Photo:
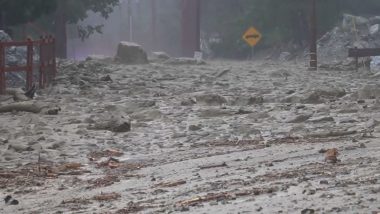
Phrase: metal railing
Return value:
(46, 64)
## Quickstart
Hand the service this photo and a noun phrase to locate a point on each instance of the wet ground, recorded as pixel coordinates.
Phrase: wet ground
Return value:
(221, 137)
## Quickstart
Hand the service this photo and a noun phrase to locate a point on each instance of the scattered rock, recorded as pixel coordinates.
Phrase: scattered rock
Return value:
(10, 201)
(247, 101)
(370, 91)
(210, 99)
(147, 115)
(374, 29)
(299, 118)
(112, 123)
(331, 155)
(106, 78)
(20, 148)
(321, 119)
(285, 56)
(184, 61)
(160, 56)
(195, 127)
(188, 102)
(308, 211)
(215, 112)
(222, 73)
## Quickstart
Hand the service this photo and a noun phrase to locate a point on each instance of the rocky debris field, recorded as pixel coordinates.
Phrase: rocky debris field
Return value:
(215, 137)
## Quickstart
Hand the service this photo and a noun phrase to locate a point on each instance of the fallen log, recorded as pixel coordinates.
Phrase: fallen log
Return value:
(214, 166)
(18, 95)
(26, 106)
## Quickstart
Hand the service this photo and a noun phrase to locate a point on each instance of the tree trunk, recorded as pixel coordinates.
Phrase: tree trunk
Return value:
(2, 24)
(60, 30)
(190, 27)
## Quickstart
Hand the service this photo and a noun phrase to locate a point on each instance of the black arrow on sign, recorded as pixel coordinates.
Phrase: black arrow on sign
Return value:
(255, 36)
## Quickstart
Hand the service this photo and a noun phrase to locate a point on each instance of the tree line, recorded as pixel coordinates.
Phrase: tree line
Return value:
(280, 21)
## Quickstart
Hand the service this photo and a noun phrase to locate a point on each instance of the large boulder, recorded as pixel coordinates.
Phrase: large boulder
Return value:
(131, 53)
(4, 37)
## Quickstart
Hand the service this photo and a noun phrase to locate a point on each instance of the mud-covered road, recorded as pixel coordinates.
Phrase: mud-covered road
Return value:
(221, 137)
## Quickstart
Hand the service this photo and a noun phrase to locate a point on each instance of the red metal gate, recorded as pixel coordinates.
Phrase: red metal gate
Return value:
(46, 63)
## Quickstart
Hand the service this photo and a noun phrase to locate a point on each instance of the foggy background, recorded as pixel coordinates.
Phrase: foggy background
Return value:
(116, 29)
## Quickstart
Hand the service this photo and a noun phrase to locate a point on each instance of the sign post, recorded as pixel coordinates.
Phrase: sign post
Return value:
(252, 37)
(313, 37)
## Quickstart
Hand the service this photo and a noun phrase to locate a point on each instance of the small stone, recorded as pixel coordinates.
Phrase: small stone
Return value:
(290, 92)
(269, 164)
(106, 78)
(214, 203)
(308, 211)
(3, 141)
(195, 127)
(57, 145)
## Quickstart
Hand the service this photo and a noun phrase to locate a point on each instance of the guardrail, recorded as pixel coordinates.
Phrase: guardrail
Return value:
(45, 48)
(362, 52)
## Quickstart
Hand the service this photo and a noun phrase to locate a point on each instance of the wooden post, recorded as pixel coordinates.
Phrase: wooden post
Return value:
(53, 56)
(2, 69)
(42, 62)
(356, 59)
(313, 36)
(60, 29)
(29, 64)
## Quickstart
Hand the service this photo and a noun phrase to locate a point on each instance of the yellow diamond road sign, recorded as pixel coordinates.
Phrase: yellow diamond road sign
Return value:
(252, 36)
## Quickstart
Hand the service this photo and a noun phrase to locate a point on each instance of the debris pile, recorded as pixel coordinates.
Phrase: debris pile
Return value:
(355, 31)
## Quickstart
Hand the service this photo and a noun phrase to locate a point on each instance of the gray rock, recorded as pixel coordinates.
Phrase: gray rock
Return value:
(247, 101)
(110, 122)
(147, 115)
(374, 29)
(4, 37)
(321, 119)
(184, 61)
(160, 56)
(210, 99)
(131, 53)
(208, 113)
(20, 148)
(318, 95)
(298, 118)
(370, 91)
(285, 56)
(195, 127)
(308, 211)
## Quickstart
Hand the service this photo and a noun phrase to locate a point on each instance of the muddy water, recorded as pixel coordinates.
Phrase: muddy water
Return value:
(224, 137)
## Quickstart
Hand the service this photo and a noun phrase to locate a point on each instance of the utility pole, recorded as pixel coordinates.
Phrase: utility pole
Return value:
(60, 30)
(190, 39)
(154, 24)
(313, 36)
(130, 21)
